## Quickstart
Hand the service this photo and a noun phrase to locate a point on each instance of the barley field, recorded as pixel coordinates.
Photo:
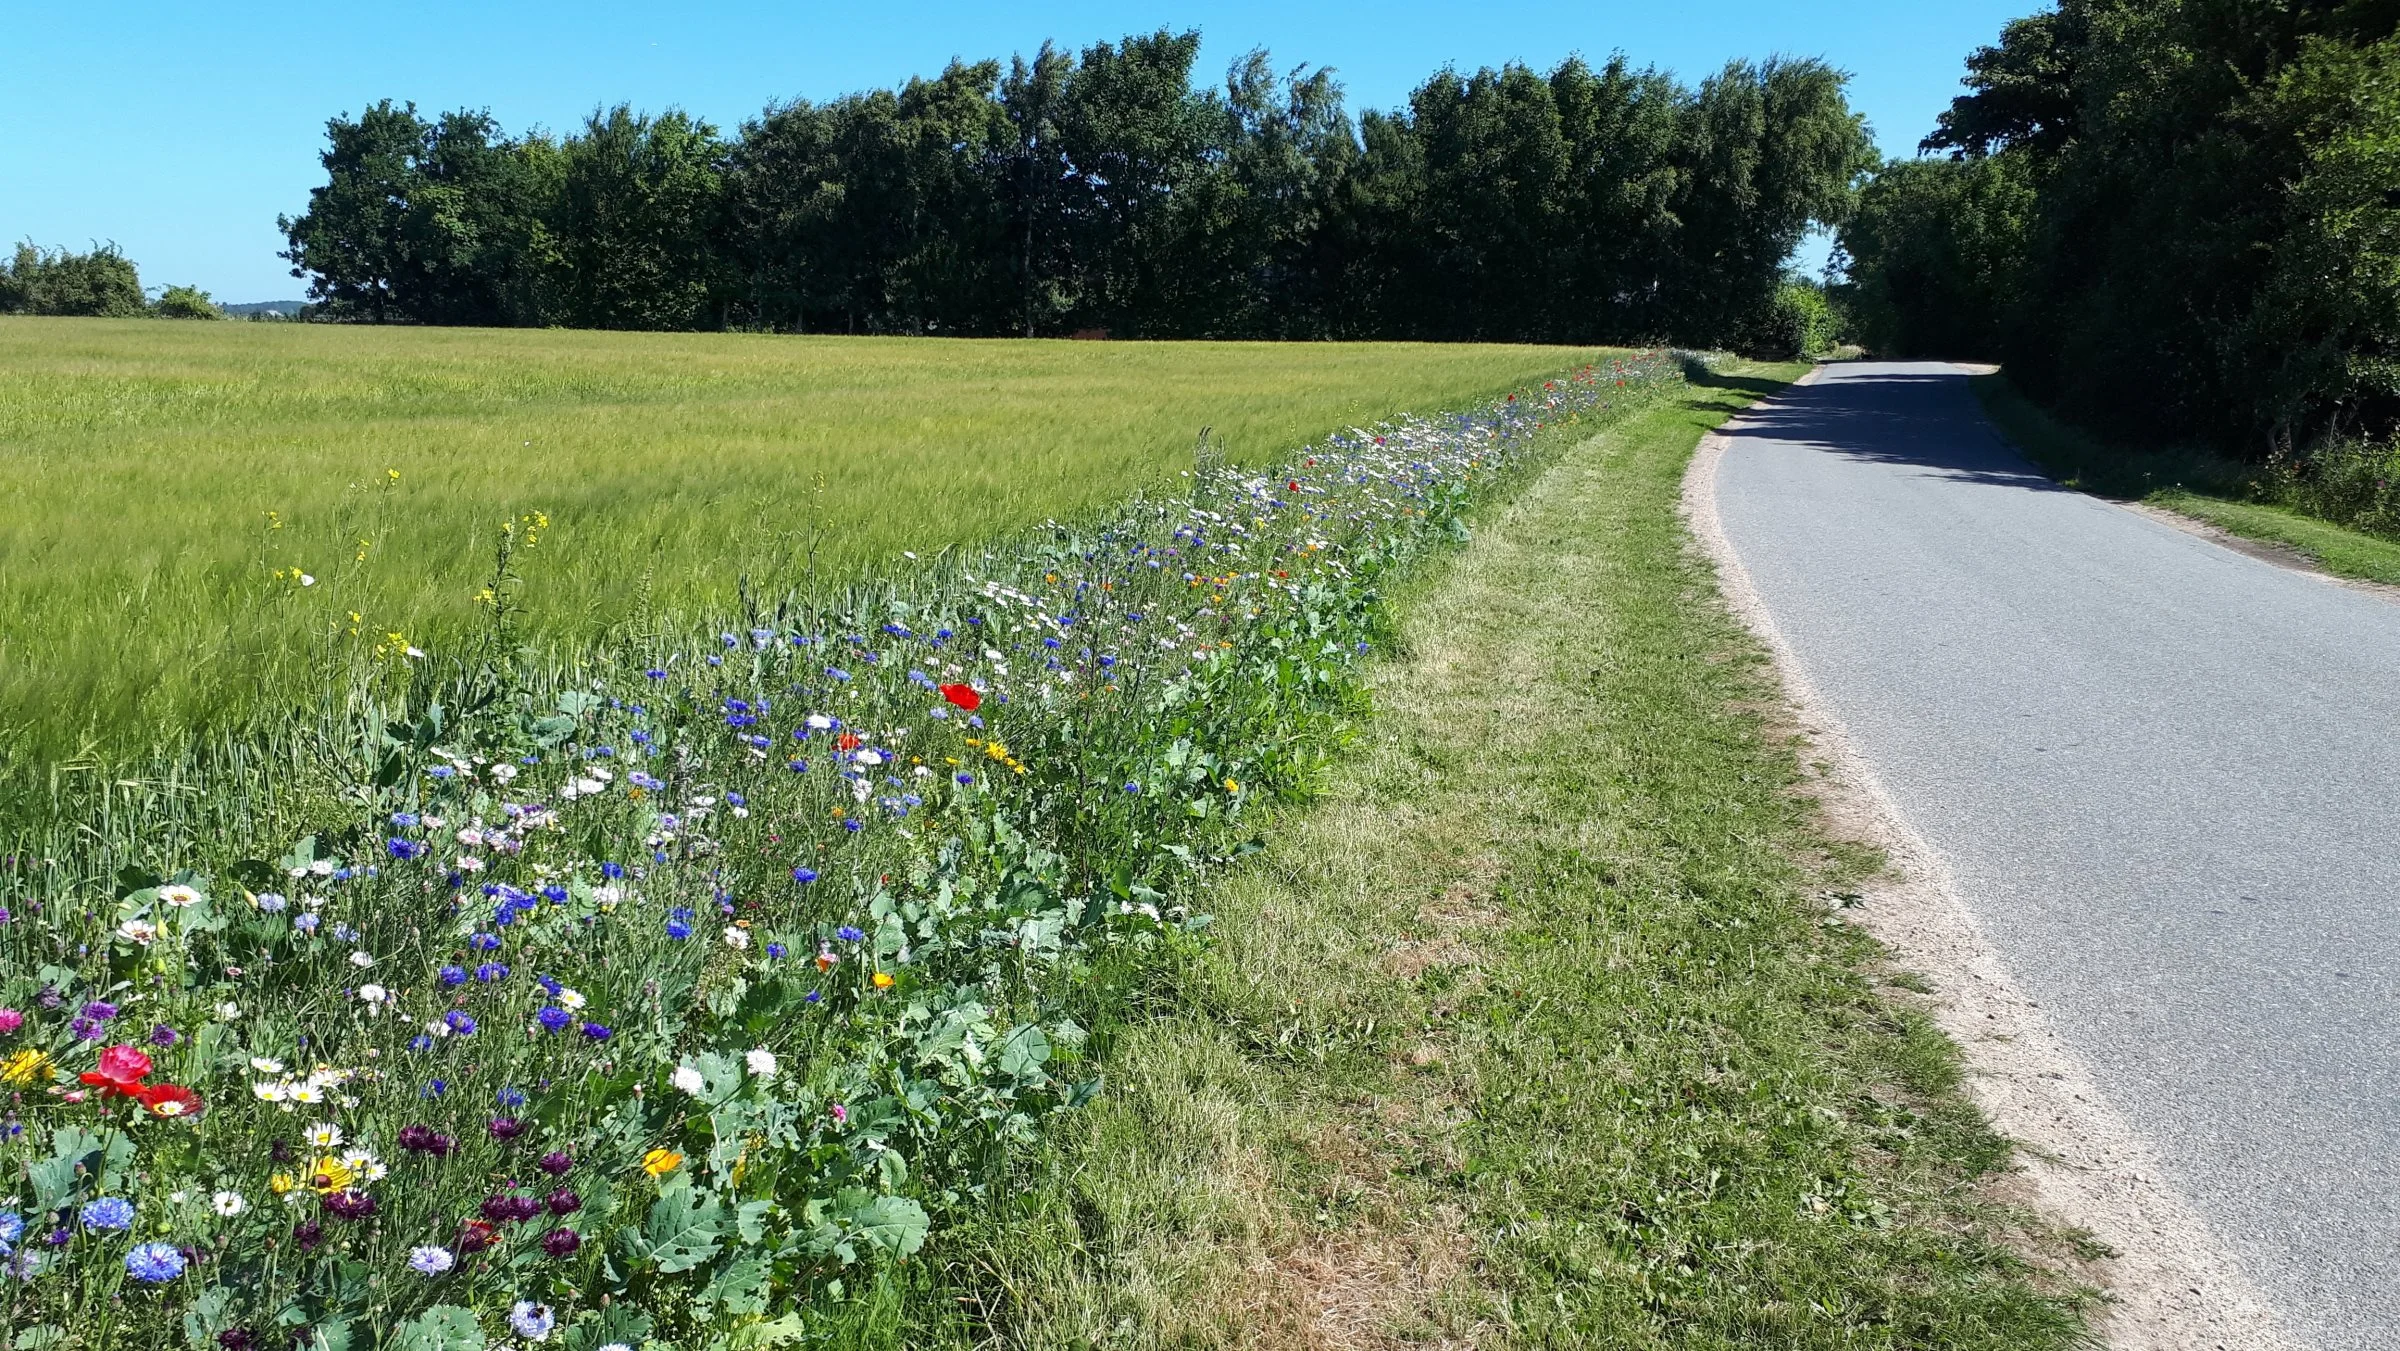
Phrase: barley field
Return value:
(196, 520)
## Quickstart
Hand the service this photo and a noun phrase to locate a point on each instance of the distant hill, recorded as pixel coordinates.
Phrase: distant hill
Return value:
(286, 308)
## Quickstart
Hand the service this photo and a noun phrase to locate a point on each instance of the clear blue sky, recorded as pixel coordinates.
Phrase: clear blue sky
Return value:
(179, 130)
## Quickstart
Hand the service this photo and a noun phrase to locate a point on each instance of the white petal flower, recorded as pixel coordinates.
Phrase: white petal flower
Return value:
(371, 993)
(323, 1135)
(178, 896)
(689, 1080)
(761, 1062)
(228, 1204)
(736, 939)
(361, 960)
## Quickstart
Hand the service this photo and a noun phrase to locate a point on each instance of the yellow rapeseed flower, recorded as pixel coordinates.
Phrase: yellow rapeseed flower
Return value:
(660, 1162)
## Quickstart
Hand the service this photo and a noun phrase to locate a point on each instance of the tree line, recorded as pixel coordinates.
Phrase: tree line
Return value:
(1104, 190)
(2174, 219)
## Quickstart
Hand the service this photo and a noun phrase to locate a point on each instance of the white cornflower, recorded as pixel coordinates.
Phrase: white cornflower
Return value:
(361, 960)
(736, 939)
(372, 993)
(761, 1062)
(689, 1080)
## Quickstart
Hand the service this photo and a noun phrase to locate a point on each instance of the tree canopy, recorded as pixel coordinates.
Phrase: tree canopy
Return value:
(1106, 190)
(2195, 199)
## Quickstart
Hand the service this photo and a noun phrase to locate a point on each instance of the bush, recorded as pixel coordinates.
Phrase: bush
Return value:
(2353, 483)
(187, 302)
(1799, 322)
(102, 283)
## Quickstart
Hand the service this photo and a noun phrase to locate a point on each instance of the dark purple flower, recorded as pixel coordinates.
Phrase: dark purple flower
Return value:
(564, 1201)
(506, 1128)
(561, 1242)
(281, 1151)
(237, 1339)
(475, 1236)
(163, 1035)
(99, 1010)
(556, 1163)
(350, 1205)
(426, 1140)
(308, 1234)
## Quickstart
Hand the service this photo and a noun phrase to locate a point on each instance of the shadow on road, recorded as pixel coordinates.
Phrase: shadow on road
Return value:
(1921, 418)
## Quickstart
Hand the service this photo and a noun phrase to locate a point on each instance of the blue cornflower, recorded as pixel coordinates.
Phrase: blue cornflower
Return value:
(814, 997)
(850, 934)
(106, 1212)
(775, 951)
(460, 1022)
(1051, 643)
(12, 1230)
(1133, 788)
(612, 870)
(555, 894)
(554, 1018)
(678, 929)
(837, 673)
(420, 1042)
(655, 673)
(453, 975)
(99, 1010)
(405, 820)
(533, 1321)
(853, 826)
(804, 876)
(484, 942)
(510, 1097)
(965, 779)
(548, 984)
(442, 772)
(154, 1263)
(597, 1032)
(403, 849)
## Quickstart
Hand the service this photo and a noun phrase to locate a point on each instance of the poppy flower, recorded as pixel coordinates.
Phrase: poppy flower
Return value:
(121, 1071)
(848, 741)
(964, 696)
(169, 1100)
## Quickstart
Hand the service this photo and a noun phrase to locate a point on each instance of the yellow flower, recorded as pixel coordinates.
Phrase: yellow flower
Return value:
(330, 1175)
(660, 1162)
(27, 1067)
(1232, 787)
(883, 980)
(281, 1183)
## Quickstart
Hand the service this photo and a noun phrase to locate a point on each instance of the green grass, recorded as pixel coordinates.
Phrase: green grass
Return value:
(2211, 488)
(139, 461)
(1535, 1029)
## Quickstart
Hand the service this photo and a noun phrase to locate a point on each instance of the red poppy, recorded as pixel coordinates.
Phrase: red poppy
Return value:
(120, 1073)
(170, 1100)
(1293, 486)
(848, 741)
(964, 696)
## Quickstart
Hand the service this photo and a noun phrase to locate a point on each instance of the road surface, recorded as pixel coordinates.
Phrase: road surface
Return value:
(2166, 776)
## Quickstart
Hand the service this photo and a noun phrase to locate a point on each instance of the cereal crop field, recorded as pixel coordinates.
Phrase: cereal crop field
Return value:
(196, 520)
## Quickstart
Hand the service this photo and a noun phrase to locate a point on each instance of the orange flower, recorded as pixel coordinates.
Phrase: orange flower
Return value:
(660, 1162)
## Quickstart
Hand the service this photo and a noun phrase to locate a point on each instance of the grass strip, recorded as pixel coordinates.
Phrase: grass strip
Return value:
(2191, 483)
(1537, 1028)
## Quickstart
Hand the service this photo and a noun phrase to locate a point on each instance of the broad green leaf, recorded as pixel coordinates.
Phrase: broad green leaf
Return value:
(684, 1230)
(444, 1327)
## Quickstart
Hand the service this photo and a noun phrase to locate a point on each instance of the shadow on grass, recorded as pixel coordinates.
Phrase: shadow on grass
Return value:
(1698, 374)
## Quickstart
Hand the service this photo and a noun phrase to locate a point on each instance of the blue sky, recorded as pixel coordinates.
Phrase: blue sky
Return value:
(179, 130)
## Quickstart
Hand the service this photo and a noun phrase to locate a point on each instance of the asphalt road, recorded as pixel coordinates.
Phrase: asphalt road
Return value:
(2166, 776)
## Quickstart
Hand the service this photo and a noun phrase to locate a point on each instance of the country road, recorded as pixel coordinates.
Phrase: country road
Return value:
(2166, 778)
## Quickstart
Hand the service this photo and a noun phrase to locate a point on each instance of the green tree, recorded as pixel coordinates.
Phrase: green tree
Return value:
(1936, 255)
(101, 283)
(636, 224)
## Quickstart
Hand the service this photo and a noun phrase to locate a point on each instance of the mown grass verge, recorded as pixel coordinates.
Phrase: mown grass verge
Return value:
(1536, 1029)
(2210, 488)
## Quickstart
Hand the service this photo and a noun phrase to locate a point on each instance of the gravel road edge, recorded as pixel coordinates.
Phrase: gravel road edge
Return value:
(2172, 1284)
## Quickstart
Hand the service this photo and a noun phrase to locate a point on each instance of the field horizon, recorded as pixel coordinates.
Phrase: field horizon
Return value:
(202, 515)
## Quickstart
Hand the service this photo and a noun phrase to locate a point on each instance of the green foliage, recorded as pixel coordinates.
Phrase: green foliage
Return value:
(1104, 191)
(1799, 321)
(2200, 200)
(1936, 255)
(186, 302)
(100, 283)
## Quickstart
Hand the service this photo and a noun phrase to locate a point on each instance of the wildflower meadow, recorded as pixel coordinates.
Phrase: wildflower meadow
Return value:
(659, 997)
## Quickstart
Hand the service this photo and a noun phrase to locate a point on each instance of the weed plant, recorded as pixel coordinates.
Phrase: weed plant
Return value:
(671, 997)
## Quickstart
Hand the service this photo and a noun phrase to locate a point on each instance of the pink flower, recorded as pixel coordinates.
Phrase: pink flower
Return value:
(10, 1021)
